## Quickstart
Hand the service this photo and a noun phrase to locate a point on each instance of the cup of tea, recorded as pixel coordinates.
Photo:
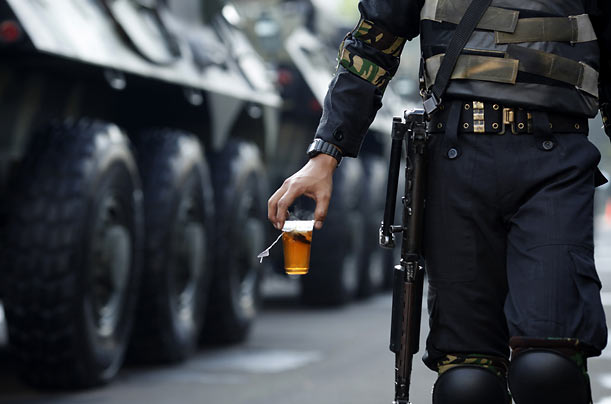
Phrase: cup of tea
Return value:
(296, 243)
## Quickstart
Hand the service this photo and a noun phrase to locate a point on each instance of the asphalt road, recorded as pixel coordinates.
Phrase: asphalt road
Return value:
(295, 355)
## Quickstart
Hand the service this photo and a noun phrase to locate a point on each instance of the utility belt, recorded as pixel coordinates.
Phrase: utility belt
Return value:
(479, 117)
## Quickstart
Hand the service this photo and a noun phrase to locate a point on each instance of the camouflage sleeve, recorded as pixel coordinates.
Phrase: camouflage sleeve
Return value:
(368, 58)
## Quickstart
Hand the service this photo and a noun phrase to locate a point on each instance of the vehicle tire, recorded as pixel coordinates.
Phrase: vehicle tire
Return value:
(334, 268)
(374, 260)
(178, 214)
(73, 255)
(240, 194)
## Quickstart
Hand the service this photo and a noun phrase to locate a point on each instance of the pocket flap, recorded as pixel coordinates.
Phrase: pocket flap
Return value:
(584, 266)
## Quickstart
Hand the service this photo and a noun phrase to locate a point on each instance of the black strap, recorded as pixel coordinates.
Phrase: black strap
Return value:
(463, 32)
(451, 132)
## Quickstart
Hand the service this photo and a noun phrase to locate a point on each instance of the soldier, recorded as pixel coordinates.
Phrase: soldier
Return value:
(508, 226)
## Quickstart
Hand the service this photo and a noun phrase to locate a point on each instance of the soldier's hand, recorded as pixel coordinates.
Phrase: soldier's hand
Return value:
(605, 112)
(314, 180)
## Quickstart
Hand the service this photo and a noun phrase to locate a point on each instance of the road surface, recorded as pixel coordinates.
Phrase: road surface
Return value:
(295, 355)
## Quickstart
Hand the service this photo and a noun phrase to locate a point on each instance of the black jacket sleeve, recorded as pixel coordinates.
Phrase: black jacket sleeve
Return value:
(352, 102)
(602, 26)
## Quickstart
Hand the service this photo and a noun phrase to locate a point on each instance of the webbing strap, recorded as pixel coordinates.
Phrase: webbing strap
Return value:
(463, 32)
(364, 68)
(555, 67)
(475, 67)
(451, 132)
(508, 28)
(573, 29)
(517, 58)
(494, 19)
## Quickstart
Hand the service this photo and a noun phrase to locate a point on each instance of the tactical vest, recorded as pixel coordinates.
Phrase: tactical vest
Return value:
(538, 54)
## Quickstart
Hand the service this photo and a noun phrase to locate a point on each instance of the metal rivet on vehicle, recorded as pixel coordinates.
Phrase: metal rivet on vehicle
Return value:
(547, 145)
(495, 107)
(495, 125)
(467, 106)
(577, 126)
(452, 153)
(465, 125)
(439, 125)
(521, 125)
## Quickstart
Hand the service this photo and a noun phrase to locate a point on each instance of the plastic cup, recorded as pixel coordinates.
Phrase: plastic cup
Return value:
(296, 243)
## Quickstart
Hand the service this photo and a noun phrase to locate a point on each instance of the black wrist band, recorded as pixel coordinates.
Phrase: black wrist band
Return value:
(319, 146)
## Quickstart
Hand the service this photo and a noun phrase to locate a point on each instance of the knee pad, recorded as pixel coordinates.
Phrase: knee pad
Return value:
(544, 376)
(470, 385)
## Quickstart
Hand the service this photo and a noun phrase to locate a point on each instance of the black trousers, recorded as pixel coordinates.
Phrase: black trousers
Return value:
(509, 243)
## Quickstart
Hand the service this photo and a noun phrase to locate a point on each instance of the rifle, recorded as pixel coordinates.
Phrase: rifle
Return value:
(409, 274)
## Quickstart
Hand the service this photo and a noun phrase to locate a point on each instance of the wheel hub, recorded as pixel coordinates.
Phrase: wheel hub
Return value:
(110, 267)
(189, 252)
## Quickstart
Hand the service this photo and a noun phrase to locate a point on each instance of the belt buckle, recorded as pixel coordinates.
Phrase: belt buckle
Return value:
(508, 119)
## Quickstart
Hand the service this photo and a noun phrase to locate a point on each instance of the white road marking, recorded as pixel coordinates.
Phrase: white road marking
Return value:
(190, 377)
(258, 361)
(605, 380)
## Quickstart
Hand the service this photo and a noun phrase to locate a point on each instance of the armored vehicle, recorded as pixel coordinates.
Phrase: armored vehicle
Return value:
(133, 184)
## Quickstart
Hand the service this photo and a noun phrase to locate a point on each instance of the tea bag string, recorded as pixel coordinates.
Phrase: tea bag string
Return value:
(265, 252)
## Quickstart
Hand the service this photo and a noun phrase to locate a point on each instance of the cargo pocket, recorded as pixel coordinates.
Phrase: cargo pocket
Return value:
(586, 278)
(591, 328)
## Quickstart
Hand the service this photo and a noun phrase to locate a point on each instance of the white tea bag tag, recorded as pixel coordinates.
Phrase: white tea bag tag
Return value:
(265, 252)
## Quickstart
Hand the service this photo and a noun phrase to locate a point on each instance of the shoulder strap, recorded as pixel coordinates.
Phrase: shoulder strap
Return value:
(463, 32)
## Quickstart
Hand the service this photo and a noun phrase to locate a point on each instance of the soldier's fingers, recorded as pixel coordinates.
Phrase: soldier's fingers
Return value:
(322, 206)
(272, 204)
(283, 204)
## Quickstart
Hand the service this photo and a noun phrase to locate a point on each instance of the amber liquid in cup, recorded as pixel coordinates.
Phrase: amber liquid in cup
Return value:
(296, 244)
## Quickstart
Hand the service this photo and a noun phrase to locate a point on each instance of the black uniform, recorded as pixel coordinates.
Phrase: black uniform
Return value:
(509, 228)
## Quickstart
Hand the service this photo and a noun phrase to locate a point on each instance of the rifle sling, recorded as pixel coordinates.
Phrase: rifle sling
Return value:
(463, 32)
